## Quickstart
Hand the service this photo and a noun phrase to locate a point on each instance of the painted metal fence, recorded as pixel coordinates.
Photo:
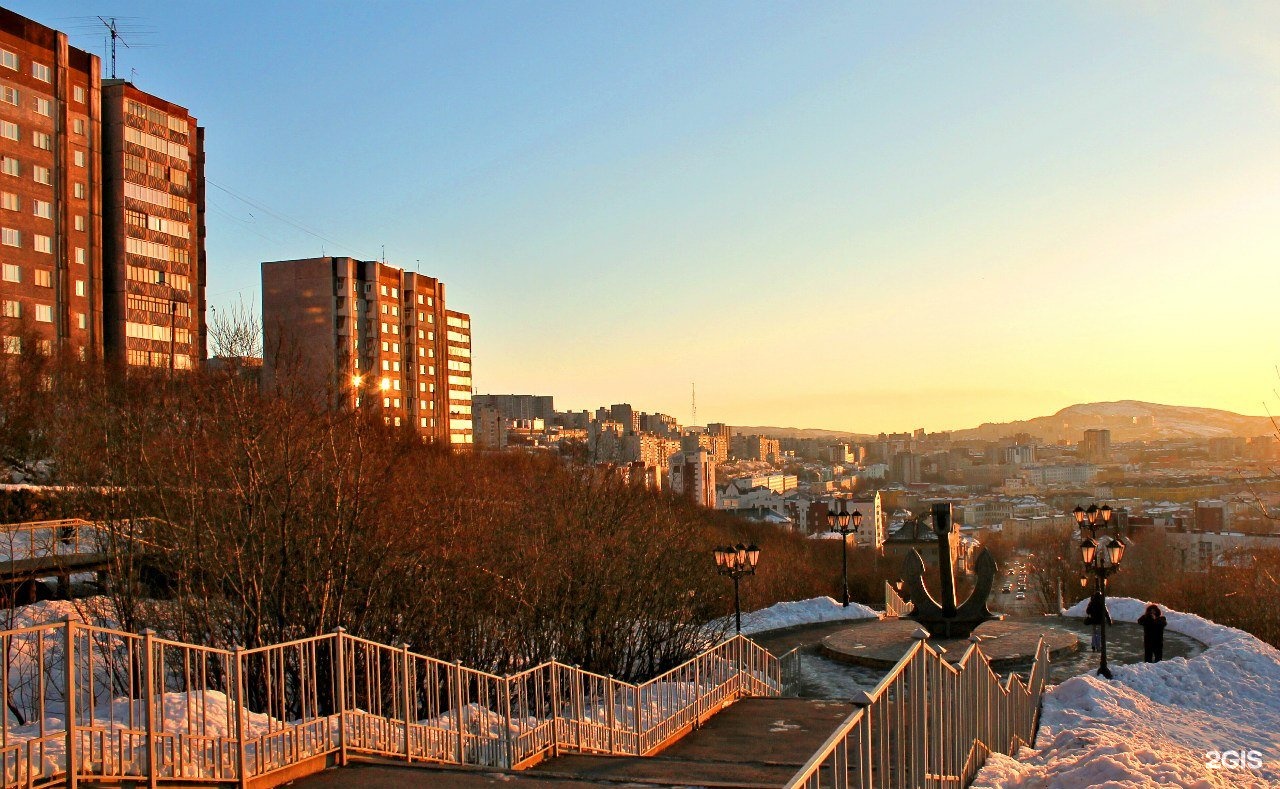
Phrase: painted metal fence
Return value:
(894, 606)
(929, 723)
(86, 703)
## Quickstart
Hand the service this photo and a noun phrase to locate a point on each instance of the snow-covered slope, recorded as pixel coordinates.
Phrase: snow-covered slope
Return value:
(1211, 721)
(803, 612)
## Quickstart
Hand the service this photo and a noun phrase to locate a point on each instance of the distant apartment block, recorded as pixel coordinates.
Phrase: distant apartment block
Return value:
(515, 406)
(1096, 446)
(50, 192)
(153, 230)
(761, 448)
(693, 476)
(375, 336)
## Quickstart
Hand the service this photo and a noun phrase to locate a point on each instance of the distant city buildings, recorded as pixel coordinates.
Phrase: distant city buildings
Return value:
(373, 335)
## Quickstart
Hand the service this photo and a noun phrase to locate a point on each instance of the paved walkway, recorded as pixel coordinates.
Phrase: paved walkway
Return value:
(752, 744)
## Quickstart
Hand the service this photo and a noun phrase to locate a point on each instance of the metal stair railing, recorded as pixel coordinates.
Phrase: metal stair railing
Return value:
(929, 723)
(87, 703)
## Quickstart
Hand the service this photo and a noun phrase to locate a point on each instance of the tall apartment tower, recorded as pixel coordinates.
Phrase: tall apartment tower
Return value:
(1096, 446)
(693, 475)
(153, 230)
(376, 336)
(50, 191)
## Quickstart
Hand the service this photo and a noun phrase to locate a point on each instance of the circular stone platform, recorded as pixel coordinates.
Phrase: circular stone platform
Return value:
(882, 643)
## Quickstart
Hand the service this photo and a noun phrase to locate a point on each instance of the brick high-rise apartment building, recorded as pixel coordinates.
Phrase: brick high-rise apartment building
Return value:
(50, 191)
(376, 335)
(101, 209)
(153, 230)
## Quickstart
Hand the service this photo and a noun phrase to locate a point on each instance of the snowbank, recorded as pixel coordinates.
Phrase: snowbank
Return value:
(1209, 721)
(801, 612)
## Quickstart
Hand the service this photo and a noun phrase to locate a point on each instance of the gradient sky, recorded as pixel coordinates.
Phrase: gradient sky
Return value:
(845, 215)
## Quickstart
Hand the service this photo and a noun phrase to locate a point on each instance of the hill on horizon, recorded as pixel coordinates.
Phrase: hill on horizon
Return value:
(1128, 420)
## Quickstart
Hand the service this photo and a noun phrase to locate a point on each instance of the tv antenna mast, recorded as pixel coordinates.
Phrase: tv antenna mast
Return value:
(693, 403)
(114, 31)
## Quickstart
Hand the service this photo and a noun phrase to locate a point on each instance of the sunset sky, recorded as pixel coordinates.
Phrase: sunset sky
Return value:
(863, 216)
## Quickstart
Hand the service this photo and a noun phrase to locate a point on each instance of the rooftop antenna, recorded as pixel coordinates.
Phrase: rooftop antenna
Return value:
(384, 253)
(693, 403)
(114, 31)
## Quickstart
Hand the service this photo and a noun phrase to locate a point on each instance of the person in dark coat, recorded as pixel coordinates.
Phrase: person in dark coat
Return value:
(1153, 625)
(1094, 613)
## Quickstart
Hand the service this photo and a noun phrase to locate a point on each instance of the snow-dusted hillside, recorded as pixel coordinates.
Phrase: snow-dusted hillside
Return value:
(1129, 420)
(1210, 721)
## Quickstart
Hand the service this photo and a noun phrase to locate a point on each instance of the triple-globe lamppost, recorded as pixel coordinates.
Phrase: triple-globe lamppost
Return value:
(1102, 560)
(838, 521)
(737, 561)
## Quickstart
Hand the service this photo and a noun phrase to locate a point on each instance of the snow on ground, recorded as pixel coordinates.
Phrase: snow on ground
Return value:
(802, 612)
(1205, 722)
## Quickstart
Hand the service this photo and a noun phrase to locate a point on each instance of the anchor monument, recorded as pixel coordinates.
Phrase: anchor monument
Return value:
(944, 618)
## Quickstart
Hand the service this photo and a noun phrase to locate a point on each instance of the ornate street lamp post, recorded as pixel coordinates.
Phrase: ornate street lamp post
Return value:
(838, 521)
(1102, 560)
(737, 561)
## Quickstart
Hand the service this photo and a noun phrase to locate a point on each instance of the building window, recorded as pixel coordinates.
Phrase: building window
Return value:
(80, 287)
(44, 107)
(8, 59)
(80, 222)
(9, 95)
(42, 141)
(80, 255)
(81, 321)
(10, 166)
(9, 130)
(384, 290)
(395, 294)
(44, 279)
(9, 201)
(41, 175)
(44, 244)
(44, 313)
(385, 346)
(44, 209)
(11, 273)
(12, 309)
(78, 156)
(41, 72)
(79, 190)
(12, 345)
(10, 238)
(77, 126)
